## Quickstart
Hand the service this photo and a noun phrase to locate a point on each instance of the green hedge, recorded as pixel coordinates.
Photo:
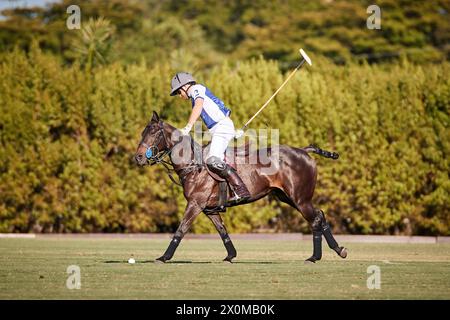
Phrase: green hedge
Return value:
(68, 139)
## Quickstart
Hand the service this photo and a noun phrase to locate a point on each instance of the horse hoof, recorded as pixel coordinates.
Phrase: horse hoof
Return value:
(311, 260)
(228, 260)
(160, 260)
(343, 253)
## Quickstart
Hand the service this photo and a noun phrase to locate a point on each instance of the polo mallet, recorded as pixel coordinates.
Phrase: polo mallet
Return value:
(305, 58)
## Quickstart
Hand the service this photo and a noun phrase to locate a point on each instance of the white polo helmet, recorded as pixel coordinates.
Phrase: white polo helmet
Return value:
(179, 80)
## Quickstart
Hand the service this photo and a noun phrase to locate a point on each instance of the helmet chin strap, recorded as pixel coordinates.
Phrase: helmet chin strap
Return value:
(186, 91)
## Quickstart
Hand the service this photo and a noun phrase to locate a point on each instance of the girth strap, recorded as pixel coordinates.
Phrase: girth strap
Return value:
(223, 194)
(222, 200)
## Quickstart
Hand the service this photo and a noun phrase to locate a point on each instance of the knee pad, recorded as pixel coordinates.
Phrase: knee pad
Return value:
(215, 164)
(317, 223)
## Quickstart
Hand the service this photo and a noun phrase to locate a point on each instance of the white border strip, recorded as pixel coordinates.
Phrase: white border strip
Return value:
(18, 235)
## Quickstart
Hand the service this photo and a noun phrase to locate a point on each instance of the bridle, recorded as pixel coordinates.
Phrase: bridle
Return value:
(154, 156)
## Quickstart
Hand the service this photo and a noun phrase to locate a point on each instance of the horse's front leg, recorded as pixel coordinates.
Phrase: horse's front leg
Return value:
(191, 212)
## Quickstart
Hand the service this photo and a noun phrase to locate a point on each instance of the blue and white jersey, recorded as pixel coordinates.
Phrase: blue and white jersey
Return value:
(214, 110)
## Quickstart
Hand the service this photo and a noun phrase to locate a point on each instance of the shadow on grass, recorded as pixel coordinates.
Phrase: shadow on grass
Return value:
(196, 262)
(259, 262)
(153, 261)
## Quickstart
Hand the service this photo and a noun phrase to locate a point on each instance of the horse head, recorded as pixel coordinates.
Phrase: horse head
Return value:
(154, 143)
(160, 139)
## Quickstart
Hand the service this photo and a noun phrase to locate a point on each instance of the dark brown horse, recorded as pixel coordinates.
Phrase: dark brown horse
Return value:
(288, 173)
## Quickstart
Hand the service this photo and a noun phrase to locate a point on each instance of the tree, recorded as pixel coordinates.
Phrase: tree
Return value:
(93, 44)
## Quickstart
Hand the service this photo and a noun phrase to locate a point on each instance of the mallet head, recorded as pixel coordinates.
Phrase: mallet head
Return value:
(305, 57)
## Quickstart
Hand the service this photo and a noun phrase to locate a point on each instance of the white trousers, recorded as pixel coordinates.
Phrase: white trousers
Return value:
(221, 134)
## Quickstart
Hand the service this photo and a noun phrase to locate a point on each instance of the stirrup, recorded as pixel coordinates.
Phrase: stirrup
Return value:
(215, 210)
(237, 199)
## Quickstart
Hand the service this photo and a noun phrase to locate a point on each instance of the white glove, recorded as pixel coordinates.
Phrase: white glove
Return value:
(185, 131)
(239, 133)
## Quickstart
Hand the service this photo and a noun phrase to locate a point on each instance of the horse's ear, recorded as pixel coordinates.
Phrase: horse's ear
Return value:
(155, 117)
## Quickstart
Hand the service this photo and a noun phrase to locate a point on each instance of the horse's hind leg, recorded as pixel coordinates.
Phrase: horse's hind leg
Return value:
(314, 221)
(220, 226)
(319, 226)
(332, 243)
(308, 212)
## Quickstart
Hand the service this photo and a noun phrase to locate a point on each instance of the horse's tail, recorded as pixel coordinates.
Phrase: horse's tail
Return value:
(321, 152)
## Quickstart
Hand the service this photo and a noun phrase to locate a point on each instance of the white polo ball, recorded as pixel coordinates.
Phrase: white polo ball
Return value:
(131, 260)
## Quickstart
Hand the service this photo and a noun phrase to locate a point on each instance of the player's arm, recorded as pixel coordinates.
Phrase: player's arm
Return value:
(196, 111)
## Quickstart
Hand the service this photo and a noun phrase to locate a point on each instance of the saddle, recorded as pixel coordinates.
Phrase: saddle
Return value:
(231, 154)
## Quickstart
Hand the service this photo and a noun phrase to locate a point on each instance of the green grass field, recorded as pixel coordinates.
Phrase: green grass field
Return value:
(264, 269)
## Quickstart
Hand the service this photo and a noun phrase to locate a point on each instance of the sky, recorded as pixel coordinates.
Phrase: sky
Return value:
(9, 4)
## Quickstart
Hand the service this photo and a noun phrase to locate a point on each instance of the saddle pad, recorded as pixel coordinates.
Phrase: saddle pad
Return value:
(214, 176)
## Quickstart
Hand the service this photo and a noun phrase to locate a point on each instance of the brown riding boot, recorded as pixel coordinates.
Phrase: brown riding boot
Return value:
(238, 187)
